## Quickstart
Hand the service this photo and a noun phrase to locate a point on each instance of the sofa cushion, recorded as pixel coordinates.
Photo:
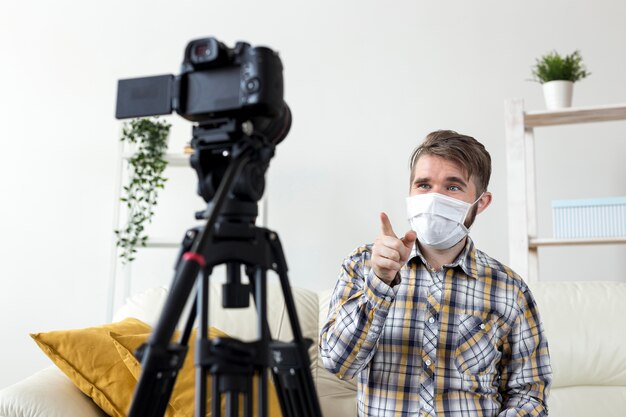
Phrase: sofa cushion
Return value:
(586, 330)
(183, 392)
(91, 361)
(47, 393)
(337, 396)
(584, 323)
(145, 306)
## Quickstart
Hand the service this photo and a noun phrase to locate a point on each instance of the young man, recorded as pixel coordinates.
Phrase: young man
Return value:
(432, 325)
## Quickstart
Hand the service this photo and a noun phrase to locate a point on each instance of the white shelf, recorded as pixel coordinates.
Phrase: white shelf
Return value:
(537, 242)
(162, 243)
(119, 284)
(173, 159)
(575, 115)
(522, 184)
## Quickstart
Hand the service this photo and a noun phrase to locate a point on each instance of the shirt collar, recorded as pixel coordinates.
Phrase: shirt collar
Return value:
(466, 259)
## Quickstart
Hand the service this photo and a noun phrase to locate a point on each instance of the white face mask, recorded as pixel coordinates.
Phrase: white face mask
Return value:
(437, 219)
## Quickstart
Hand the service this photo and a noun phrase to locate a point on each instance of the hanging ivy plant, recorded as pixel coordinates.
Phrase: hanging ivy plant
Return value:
(146, 167)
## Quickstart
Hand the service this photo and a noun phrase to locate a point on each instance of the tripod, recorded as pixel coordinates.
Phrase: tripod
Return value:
(231, 238)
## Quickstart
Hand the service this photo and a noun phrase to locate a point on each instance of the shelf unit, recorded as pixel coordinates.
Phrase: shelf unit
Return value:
(522, 201)
(123, 279)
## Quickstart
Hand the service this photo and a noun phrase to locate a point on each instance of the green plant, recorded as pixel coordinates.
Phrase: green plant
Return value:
(146, 167)
(552, 66)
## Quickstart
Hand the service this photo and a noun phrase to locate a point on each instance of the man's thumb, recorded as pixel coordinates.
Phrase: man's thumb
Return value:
(386, 228)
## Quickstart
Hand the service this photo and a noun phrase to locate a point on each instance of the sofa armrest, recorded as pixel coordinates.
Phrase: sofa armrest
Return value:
(48, 393)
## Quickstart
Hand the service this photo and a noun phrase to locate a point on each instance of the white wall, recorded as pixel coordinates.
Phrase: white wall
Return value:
(366, 80)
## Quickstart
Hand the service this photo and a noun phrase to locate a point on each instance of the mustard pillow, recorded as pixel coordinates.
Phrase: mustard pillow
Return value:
(91, 361)
(183, 393)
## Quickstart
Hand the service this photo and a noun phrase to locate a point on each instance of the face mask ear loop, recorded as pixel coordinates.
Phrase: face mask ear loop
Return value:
(479, 197)
(470, 207)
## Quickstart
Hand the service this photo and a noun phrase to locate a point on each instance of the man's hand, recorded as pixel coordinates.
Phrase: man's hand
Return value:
(390, 253)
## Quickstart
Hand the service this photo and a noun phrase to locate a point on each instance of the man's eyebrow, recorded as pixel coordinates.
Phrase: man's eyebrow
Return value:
(421, 179)
(458, 180)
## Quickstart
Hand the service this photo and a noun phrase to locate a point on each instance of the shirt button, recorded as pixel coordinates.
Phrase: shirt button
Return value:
(388, 298)
(431, 320)
(427, 362)
(482, 325)
(375, 328)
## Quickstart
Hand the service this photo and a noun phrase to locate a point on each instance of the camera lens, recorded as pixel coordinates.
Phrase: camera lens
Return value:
(275, 130)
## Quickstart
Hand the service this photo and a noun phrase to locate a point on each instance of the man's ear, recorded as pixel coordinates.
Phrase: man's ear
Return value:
(484, 202)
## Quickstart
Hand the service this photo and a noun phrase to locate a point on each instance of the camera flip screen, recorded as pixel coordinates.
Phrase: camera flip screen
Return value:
(147, 96)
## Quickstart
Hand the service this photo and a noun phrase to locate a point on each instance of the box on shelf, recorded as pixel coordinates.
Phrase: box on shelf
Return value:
(589, 218)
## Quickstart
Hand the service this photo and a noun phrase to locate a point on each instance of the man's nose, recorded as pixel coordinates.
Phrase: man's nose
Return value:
(439, 189)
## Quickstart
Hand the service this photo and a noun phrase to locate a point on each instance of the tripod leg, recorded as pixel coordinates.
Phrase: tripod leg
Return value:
(247, 404)
(162, 360)
(216, 409)
(295, 382)
(232, 403)
(203, 317)
(260, 300)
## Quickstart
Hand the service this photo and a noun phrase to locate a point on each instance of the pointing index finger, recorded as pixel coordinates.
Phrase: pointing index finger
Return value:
(386, 228)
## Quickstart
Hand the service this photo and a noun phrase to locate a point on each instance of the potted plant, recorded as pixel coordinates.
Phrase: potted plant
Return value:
(146, 165)
(557, 74)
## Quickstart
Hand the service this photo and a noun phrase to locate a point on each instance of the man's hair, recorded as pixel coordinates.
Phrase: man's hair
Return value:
(462, 149)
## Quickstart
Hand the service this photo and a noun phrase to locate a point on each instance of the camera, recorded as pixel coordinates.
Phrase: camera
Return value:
(234, 96)
(216, 83)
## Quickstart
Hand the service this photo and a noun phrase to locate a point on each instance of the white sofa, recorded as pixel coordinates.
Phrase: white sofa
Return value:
(585, 323)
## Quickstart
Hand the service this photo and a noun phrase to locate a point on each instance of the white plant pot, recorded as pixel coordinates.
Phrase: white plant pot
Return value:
(558, 94)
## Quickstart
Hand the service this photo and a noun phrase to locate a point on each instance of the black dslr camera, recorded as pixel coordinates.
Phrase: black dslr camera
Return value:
(232, 94)
(216, 82)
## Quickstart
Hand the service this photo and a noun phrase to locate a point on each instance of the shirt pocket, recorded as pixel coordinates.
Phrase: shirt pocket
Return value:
(477, 344)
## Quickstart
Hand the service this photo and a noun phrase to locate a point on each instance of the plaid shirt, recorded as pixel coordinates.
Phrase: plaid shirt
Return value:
(464, 341)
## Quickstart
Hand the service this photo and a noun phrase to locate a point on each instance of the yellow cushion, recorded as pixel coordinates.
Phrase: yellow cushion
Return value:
(91, 361)
(182, 398)
(100, 362)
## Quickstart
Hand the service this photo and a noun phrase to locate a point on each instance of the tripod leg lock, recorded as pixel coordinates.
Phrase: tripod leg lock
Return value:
(195, 257)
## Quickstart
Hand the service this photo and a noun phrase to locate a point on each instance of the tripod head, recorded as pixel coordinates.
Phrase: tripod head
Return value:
(217, 142)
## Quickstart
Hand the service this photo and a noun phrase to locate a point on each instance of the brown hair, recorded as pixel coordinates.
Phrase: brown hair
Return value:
(462, 149)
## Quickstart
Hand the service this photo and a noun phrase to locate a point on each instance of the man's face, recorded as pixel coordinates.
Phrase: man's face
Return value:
(433, 174)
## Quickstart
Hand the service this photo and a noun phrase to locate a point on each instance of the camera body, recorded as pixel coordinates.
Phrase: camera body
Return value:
(215, 82)
(234, 96)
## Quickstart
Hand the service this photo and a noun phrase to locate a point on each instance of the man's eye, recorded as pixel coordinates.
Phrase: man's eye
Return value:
(454, 188)
(422, 186)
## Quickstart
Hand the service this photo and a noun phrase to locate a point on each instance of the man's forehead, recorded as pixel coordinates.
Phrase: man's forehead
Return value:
(426, 164)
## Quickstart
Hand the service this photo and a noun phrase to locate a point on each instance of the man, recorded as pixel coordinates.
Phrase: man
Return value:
(432, 325)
